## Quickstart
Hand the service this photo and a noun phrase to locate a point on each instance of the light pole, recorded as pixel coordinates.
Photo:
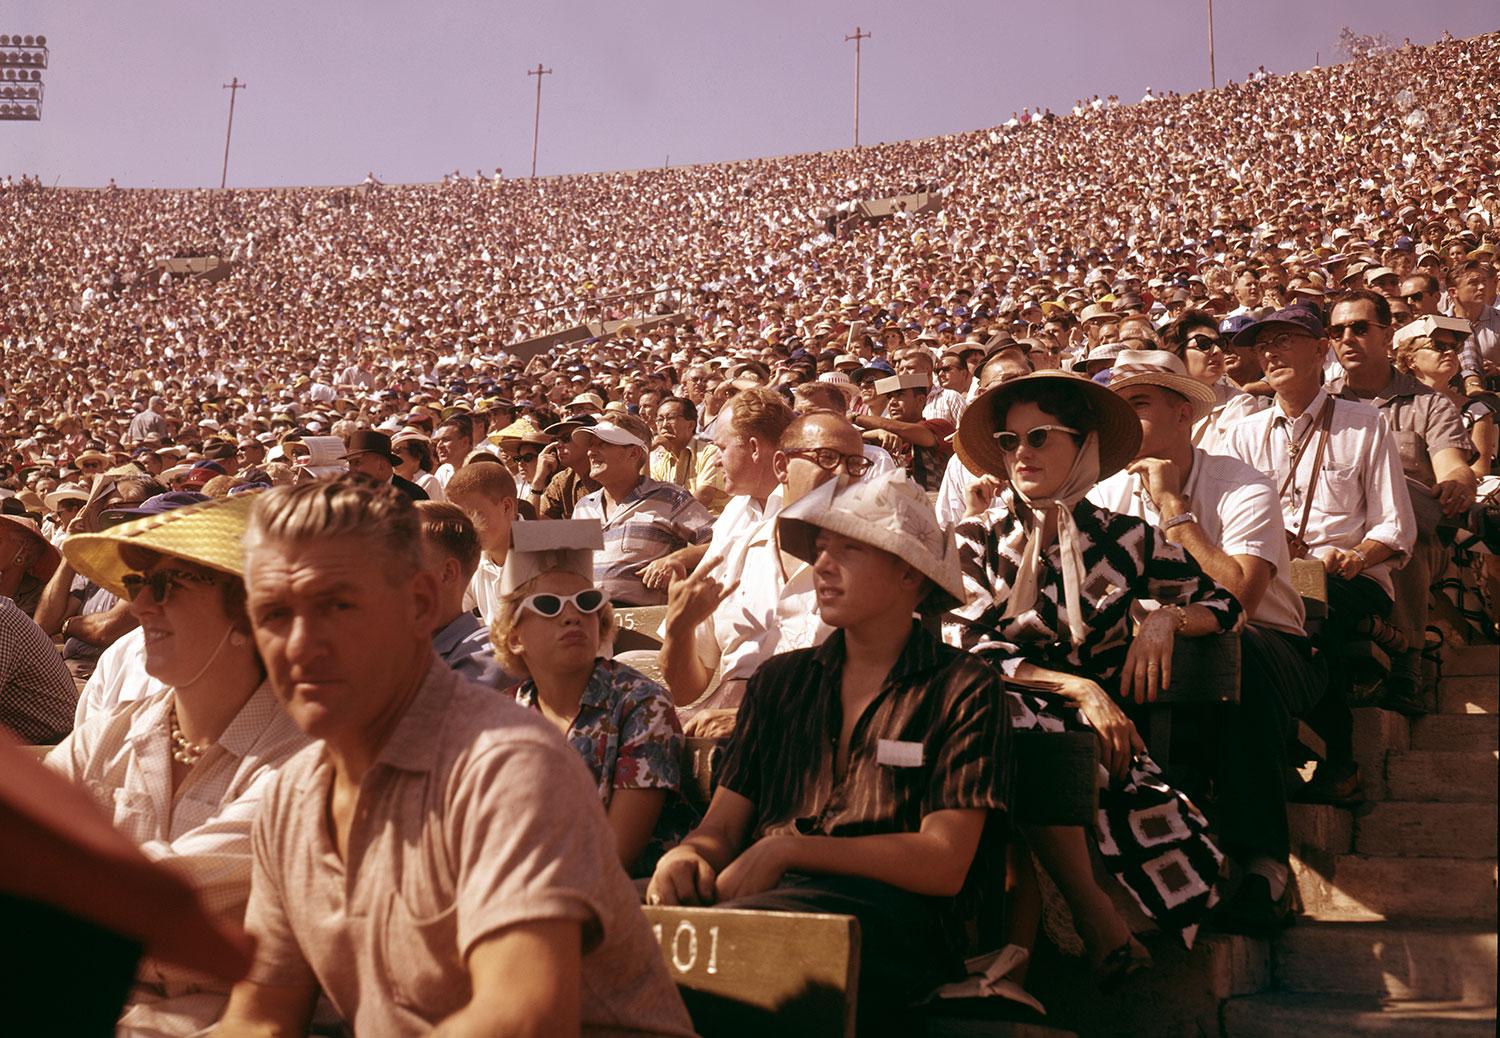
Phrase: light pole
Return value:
(234, 87)
(1213, 77)
(536, 124)
(858, 36)
(22, 59)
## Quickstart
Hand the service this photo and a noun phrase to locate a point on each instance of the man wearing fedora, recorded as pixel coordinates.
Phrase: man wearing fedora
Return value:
(369, 453)
(1225, 515)
(876, 803)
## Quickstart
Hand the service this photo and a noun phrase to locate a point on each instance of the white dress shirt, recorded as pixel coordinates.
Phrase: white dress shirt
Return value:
(1236, 508)
(119, 677)
(1361, 491)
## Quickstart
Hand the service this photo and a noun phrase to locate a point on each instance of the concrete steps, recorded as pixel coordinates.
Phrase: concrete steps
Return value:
(1280, 1014)
(1426, 830)
(1455, 732)
(1397, 934)
(1424, 961)
(1456, 777)
(1477, 694)
(1359, 887)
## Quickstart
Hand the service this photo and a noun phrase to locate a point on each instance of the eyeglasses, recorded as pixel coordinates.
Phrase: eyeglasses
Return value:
(163, 582)
(1441, 347)
(1280, 341)
(526, 457)
(829, 460)
(1204, 343)
(589, 600)
(1359, 328)
(1412, 297)
(1036, 439)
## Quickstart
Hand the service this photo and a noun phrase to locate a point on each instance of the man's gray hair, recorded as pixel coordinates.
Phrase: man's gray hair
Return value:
(344, 507)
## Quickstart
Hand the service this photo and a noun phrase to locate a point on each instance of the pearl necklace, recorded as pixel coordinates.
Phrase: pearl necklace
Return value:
(183, 751)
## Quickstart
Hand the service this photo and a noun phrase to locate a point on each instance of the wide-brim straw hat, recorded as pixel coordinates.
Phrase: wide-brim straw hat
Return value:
(47, 562)
(1163, 369)
(210, 534)
(1119, 430)
(889, 512)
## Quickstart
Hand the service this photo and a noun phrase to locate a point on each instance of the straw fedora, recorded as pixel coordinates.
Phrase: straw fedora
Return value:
(1164, 369)
(66, 492)
(1119, 429)
(210, 534)
(889, 512)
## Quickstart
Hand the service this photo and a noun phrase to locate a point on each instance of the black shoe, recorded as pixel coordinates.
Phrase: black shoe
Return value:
(1252, 911)
(1336, 784)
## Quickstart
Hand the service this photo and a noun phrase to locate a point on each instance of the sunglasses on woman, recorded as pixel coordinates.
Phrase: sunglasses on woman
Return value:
(1036, 439)
(163, 582)
(589, 600)
(1204, 343)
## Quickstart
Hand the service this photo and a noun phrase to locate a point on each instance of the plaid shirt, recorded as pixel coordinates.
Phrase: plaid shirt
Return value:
(1124, 560)
(653, 520)
(37, 694)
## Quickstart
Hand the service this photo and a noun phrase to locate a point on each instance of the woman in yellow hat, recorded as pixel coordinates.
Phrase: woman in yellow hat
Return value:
(181, 772)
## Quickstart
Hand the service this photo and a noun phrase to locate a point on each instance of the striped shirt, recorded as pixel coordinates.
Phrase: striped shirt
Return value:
(653, 520)
(1124, 560)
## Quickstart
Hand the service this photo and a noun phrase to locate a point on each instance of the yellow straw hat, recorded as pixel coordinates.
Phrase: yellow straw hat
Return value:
(211, 533)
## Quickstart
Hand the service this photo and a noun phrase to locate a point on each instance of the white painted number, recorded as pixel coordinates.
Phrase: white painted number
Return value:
(692, 956)
(713, 949)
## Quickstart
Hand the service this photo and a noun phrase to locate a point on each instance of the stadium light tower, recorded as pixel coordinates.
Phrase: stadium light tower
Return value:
(536, 123)
(22, 59)
(858, 36)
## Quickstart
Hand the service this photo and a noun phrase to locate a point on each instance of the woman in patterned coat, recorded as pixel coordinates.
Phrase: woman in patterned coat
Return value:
(1055, 586)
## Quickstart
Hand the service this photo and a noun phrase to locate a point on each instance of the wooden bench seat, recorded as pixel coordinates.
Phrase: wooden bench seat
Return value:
(773, 973)
(638, 626)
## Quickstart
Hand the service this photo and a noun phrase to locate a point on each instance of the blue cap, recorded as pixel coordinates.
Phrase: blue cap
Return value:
(1295, 318)
(1232, 326)
(151, 506)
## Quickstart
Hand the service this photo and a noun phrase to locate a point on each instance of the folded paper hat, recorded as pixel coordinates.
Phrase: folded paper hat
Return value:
(886, 511)
(548, 546)
(896, 383)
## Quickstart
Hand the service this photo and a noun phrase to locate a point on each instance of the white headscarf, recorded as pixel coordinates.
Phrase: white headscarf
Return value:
(1023, 594)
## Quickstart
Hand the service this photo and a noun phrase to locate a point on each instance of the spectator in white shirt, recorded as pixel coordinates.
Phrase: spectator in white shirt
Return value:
(1225, 515)
(1355, 517)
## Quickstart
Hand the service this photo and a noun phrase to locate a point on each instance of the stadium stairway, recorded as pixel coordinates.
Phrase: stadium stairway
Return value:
(1397, 934)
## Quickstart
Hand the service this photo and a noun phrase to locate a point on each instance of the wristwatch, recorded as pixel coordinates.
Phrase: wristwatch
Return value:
(1178, 520)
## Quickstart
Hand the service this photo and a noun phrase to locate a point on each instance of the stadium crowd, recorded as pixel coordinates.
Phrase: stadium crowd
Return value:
(325, 553)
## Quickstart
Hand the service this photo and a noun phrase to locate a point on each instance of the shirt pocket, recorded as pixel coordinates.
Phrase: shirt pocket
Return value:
(1413, 448)
(1339, 492)
(421, 966)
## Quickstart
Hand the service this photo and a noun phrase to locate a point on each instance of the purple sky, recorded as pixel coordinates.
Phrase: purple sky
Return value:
(340, 87)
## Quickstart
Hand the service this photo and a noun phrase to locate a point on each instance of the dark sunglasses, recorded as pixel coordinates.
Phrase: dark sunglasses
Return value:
(1359, 328)
(163, 582)
(1411, 296)
(589, 600)
(1036, 439)
(1205, 343)
(1441, 347)
(829, 460)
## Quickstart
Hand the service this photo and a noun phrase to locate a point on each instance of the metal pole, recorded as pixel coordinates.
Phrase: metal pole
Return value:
(536, 125)
(857, 37)
(1213, 76)
(234, 87)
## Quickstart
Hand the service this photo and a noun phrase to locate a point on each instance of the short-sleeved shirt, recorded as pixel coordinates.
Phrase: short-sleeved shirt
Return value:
(37, 694)
(563, 493)
(1421, 419)
(123, 757)
(653, 520)
(936, 737)
(1236, 508)
(626, 730)
(464, 644)
(474, 817)
(925, 465)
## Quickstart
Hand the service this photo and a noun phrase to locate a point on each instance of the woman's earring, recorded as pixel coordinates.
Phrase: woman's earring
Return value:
(239, 639)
